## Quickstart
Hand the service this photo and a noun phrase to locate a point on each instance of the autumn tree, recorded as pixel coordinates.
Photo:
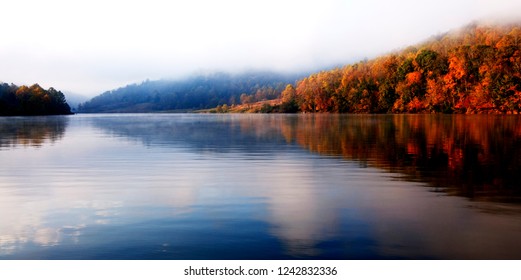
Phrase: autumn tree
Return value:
(289, 100)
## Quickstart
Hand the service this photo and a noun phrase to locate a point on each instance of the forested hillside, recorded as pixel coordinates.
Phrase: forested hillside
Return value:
(33, 100)
(197, 92)
(474, 70)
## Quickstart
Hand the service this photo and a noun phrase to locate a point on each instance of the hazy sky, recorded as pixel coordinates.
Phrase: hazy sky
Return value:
(91, 46)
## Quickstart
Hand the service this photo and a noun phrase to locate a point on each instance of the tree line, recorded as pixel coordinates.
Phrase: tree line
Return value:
(33, 100)
(474, 70)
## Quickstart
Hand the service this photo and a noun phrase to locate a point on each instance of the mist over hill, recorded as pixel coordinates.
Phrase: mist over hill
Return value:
(201, 91)
(476, 69)
(74, 100)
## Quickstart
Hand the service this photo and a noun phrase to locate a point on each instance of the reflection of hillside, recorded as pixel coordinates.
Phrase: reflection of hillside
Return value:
(31, 131)
(204, 133)
(475, 156)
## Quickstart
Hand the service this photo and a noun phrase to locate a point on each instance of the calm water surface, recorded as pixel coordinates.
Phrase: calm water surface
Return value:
(181, 186)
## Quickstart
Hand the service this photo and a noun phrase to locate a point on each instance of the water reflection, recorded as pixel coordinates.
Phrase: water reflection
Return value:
(247, 186)
(31, 131)
(473, 156)
(454, 154)
(202, 133)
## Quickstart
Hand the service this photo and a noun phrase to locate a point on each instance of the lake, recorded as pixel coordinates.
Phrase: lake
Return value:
(199, 186)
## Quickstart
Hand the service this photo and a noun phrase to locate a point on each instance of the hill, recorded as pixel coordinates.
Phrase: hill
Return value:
(194, 93)
(473, 70)
(476, 69)
(33, 100)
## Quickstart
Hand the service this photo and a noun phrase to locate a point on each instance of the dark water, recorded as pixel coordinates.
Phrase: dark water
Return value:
(260, 187)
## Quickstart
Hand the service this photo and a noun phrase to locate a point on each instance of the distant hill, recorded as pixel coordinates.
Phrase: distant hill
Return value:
(473, 70)
(75, 99)
(194, 93)
(33, 100)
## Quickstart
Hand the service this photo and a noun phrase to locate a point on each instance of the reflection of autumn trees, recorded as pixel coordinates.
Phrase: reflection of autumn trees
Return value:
(475, 156)
(30, 131)
(471, 155)
(477, 70)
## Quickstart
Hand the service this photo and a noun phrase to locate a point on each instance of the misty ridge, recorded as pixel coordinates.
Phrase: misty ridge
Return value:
(201, 91)
(476, 69)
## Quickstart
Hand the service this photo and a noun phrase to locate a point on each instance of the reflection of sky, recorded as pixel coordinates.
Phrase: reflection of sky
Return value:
(69, 193)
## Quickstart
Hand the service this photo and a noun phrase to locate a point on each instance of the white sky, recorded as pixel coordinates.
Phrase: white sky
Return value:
(91, 46)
